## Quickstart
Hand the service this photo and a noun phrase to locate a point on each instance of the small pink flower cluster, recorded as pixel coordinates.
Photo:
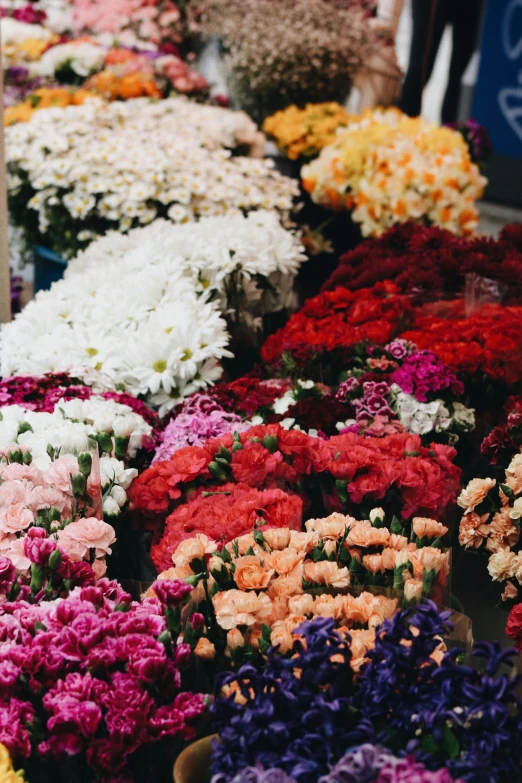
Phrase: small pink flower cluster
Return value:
(63, 500)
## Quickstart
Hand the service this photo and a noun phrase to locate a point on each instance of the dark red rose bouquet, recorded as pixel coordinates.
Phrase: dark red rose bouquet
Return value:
(431, 263)
(331, 323)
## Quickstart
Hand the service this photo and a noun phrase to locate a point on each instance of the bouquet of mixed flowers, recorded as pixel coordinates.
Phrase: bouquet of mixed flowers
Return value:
(483, 344)
(195, 489)
(92, 684)
(148, 329)
(432, 263)
(288, 52)
(76, 173)
(256, 589)
(299, 718)
(324, 330)
(402, 383)
(388, 168)
(302, 133)
(61, 503)
(246, 264)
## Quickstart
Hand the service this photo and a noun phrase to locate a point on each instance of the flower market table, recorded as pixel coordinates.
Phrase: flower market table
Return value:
(260, 439)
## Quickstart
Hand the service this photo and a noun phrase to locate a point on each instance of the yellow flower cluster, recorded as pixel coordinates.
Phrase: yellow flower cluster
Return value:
(44, 98)
(7, 773)
(389, 168)
(302, 133)
(29, 50)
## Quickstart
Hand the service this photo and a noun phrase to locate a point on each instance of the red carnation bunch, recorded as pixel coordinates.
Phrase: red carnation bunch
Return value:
(332, 322)
(279, 474)
(432, 262)
(485, 342)
(228, 513)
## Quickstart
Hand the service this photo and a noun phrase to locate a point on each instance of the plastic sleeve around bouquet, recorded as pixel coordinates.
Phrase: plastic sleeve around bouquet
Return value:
(480, 290)
(93, 498)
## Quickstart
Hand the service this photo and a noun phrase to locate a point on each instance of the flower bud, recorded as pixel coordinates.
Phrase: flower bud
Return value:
(79, 485)
(235, 639)
(376, 515)
(119, 495)
(55, 560)
(85, 463)
(110, 507)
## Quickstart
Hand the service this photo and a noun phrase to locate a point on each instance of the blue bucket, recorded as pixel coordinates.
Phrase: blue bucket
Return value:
(48, 268)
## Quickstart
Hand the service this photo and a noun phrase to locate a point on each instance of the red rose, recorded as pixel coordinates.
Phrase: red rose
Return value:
(514, 626)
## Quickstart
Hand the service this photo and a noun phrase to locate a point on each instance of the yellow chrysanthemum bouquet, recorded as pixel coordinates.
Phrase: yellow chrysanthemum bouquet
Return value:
(302, 133)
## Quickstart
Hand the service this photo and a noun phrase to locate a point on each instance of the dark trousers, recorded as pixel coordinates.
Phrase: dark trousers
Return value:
(430, 18)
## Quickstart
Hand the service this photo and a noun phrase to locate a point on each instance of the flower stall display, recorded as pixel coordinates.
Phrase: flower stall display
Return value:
(481, 344)
(432, 263)
(256, 589)
(55, 15)
(60, 504)
(77, 173)
(92, 684)
(247, 264)
(277, 54)
(44, 98)
(199, 486)
(302, 133)
(319, 337)
(302, 717)
(150, 331)
(389, 168)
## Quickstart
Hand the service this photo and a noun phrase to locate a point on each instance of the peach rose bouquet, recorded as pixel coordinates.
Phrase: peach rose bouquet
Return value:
(254, 591)
(63, 501)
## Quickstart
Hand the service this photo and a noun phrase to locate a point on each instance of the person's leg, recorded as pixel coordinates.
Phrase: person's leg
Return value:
(428, 22)
(465, 19)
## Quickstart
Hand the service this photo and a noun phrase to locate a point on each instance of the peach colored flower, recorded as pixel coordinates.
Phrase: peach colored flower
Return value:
(510, 592)
(397, 542)
(235, 639)
(45, 497)
(475, 493)
(59, 473)
(194, 548)
(287, 586)
(374, 564)
(473, 530)
(429, 559)
(428, 528)
(277, 538)
(181, 572)
(502, 532)
(99, 566)
(250, 574)
(330, 548)
(333, 527)
(303, 542)
(518, 568)
(301, 604)
(15, 491)
(15, 518)
(364, 535)
(252, 636)
(502, 565)
(330, 606)
(285, 561)
(514, 474)
(281, 637)
(14, 471)
(362, 640)
(383, 608)
(205, 650)
(87, 534)
(413, 589)
(388, 558)
(234, 608)
(327, 573)
(279, 609)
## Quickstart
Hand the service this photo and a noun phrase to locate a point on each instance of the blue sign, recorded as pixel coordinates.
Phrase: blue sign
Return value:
(497, 100)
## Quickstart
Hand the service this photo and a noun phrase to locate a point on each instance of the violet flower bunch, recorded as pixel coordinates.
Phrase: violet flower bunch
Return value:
(90, 686)
(422, 373)
(199, 419)
(477, 138)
